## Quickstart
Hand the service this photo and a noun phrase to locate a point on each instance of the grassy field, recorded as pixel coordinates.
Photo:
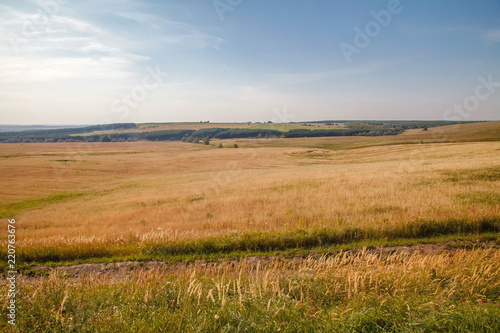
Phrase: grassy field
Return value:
(151, 127)
(284, 199)
(290, 126)
(478, 132)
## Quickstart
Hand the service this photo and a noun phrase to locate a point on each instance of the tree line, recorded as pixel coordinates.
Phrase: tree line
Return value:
(352, 128)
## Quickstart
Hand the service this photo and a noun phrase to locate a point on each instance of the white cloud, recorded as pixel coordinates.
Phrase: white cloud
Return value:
(159, 22)
(60, 47)
(32, 69)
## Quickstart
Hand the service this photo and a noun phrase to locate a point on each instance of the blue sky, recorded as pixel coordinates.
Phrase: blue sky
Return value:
(106, 61)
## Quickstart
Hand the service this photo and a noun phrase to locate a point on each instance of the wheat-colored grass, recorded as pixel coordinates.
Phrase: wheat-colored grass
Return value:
(96, 196)
(132, 192)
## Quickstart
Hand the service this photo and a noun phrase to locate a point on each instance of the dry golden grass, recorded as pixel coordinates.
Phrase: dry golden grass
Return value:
(157, 191)
(74, 200)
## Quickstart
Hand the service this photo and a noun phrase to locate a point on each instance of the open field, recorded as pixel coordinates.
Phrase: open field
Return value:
(149, 127)
(278, 126)
(152, 127)
(175, 201)
(310, 126)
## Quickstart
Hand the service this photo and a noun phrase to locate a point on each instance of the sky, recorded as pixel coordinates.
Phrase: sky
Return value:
(109, 61)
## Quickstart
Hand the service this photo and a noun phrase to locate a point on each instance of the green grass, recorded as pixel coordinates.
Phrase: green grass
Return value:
(382, 209)
(10, 210)
(486, 174)
(261, 241)
(305, 241)
(73, 154)
(418, 298)
(284, 127)
(194, 199)
(483, 198)
(131, 252)
(110, 309)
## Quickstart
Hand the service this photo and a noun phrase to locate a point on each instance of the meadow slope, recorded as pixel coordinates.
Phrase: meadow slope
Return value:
(140, 193)
(180, 202)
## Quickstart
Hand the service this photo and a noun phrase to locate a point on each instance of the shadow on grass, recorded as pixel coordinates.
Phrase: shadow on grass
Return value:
(260, 241)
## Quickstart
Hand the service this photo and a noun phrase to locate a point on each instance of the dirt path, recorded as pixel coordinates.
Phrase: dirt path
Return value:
(125, 268)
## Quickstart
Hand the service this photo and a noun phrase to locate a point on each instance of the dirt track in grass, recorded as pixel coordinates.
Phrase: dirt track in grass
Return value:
(122, 270)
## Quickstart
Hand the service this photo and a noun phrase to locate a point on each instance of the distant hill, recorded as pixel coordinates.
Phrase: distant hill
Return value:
(193, 132)
(22, 128)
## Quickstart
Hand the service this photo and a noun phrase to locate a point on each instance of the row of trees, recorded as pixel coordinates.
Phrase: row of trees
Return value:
(304, 133)
(365, 128)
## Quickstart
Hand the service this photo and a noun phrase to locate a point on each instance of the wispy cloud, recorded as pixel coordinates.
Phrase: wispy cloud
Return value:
(281, 80)
(61, 47)
(492, 36)
(293, 78)
(175, 32)
(32, 25)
